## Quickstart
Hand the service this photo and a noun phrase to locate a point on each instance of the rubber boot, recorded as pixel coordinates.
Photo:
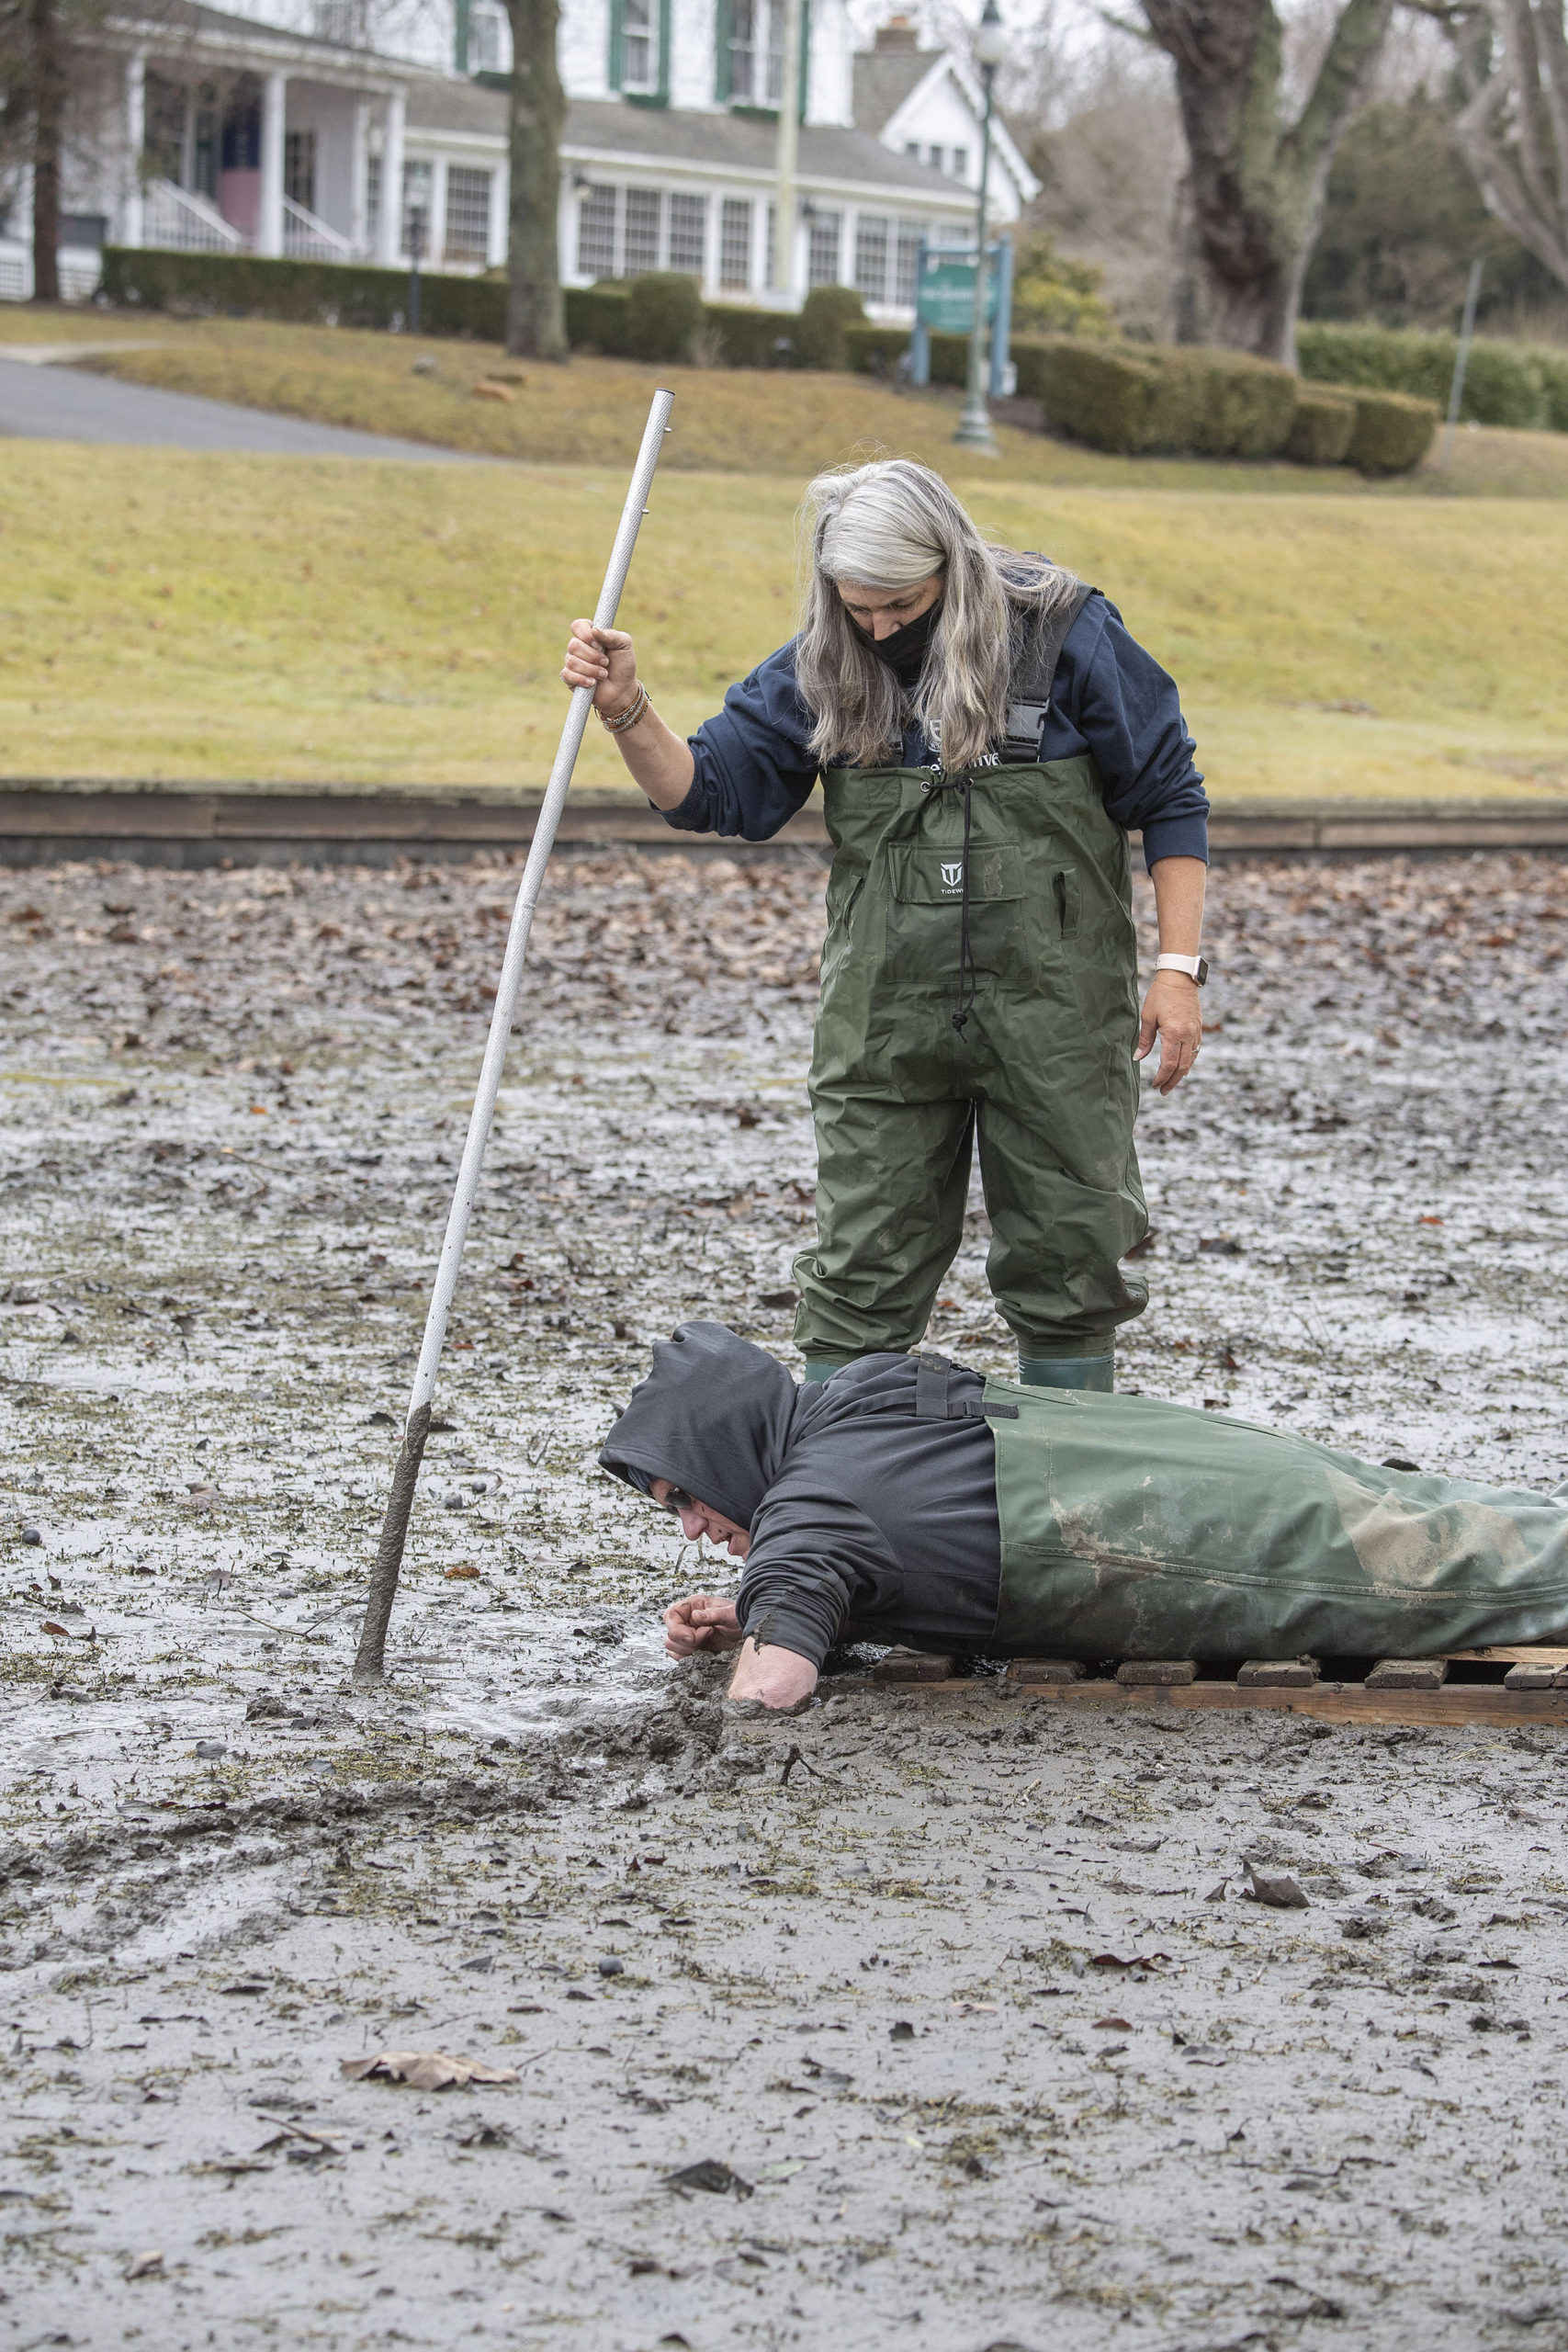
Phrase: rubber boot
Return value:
(1068, 1372)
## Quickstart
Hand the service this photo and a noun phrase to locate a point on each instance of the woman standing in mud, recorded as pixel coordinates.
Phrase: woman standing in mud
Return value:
(987, 733)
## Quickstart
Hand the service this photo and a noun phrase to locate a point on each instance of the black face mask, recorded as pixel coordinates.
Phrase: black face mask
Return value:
(905, 651)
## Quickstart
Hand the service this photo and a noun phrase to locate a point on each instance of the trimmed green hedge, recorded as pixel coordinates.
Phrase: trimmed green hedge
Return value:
(1505, 383)
(1393, 432)
(1132, 398)
(240, 285)
(1322, 428)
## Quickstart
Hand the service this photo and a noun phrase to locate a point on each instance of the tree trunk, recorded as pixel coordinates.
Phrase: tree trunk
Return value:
(536, 315)
(1256, 181)
(48, 117)
(1512, 131)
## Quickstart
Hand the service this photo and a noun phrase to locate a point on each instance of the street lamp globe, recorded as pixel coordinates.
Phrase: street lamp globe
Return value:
(991, 40)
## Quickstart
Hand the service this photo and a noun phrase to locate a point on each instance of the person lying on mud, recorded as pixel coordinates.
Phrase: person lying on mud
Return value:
(908, 1500)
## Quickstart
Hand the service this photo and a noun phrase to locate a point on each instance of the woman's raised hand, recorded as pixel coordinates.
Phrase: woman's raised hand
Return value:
(606, 659)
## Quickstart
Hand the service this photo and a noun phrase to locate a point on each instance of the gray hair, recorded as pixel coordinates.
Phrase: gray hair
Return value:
(891, 525)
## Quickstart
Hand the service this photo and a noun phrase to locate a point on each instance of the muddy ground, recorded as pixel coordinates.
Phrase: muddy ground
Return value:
(960, 2010)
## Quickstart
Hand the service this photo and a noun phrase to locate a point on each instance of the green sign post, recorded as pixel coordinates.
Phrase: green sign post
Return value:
(944, 304)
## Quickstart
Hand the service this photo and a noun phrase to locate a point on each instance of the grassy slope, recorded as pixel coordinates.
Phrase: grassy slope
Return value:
(168, 616)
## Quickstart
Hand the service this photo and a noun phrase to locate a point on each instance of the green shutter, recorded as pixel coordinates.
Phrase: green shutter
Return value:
(723, 34)
(666, 8)
(617, 44)
(805, 53)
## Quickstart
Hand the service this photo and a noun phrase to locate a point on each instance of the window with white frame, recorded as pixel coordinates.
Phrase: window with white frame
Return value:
(467, 213)
(871, 258)
(688, 234)
(639, 45)
(960, 163)
(907, 260)
(756, 53)
(822, 249)
(484, 41)
(645, 208)
(735, 244)
(912, 149)
(596, 233)
(416, 207)
(372, 198)
(771, 258)
(936, 157)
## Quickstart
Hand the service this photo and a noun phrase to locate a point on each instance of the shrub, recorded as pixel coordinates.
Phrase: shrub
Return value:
(1505, 383)
(596, 318)
(1393, 432)
(820, 333)
(1097, 393)
(874, 351)
(752, 338)
(1321, 426)
(664, 315)
(1121, 397)
(302, 292)
(1053, 296)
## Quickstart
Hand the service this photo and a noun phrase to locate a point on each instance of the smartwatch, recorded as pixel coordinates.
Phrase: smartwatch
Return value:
(1195, 966)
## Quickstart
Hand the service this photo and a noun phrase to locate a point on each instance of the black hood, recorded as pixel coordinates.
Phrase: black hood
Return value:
(714, 1416)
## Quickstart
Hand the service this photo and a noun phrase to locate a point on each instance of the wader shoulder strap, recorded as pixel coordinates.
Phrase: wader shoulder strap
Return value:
(932, 1402)
(1033, 676)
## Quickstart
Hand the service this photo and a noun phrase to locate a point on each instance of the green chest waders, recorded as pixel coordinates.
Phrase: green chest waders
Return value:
(1136, 1528)
(1006, 1012)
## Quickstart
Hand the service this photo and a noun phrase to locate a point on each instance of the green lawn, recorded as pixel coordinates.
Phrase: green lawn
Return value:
(166, 615)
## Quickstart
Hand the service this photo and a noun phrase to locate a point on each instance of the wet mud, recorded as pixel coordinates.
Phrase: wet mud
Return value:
(921, 2017)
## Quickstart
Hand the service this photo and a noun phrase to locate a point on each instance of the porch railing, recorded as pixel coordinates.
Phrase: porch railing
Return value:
(177, 219)
(307, 237)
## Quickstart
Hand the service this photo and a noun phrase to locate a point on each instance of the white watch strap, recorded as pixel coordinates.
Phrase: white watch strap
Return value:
(1191, 965)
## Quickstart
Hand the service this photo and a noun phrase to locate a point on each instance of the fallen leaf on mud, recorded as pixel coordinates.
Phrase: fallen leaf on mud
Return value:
(424, 2070)
(462, 1572)
(1139, 1960)
(902, 2032)
(973, 2009)
(70, 1633)
(1280, 1893)
(143, 2265)
(1112, 2025)
(708, 2174)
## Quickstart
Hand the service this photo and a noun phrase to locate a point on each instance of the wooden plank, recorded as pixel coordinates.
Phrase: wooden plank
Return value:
(1457, 1703)
(1507, 1656)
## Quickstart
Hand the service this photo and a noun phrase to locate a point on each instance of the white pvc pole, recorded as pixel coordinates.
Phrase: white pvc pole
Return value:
(369, 1662)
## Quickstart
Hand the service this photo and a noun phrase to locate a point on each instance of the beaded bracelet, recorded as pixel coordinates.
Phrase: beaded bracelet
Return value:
(622, 721)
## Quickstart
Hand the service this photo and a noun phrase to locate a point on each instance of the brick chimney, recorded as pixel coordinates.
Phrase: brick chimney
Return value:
(898, 33)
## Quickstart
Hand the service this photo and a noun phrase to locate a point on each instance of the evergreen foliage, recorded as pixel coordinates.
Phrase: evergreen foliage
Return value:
(1053, 296)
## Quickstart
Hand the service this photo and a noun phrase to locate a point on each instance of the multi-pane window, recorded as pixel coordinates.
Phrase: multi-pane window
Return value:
(416, 207)
(639, 45)
(871, 258)
(735, 244)
(822, 249)
(467, 213)
(771, 258)
(372, 198)
(756, 53)
(596, 233)
(688, 233)
(644, 206)
(960, 163)
(484, 41)
(937, 158)
(299, 168)
(906, 261)
(912, 149)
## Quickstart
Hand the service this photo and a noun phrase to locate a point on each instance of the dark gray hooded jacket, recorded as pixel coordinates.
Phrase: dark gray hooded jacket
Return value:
(866, 1521)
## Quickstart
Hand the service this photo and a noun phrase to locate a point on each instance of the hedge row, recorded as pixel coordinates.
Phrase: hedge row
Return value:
(1122, 397)
(1505, 383)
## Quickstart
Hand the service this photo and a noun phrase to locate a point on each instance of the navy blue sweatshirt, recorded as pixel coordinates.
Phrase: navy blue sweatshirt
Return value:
(1110, 699)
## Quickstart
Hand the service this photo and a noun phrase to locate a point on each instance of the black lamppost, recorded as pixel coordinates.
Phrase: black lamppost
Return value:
(416, 246)
(974, 424)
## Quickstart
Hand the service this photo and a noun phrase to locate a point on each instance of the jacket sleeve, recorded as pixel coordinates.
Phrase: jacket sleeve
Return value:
(815, 1561)
(1118, 702)
(753, 770)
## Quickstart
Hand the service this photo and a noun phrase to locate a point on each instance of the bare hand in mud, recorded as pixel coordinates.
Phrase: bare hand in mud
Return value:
(702, 1621)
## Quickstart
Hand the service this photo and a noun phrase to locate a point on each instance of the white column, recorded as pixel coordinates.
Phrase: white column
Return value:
(848, 221)
(496, 249)
(269, 206)
(359, 154)
(389, 230)
(132, 210)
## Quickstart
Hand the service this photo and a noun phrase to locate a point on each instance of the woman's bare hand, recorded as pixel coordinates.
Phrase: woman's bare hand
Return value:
(1173, 1012)
(606, 659)
(703, 1621)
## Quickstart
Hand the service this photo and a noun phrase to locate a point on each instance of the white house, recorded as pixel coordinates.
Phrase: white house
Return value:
(232, 131)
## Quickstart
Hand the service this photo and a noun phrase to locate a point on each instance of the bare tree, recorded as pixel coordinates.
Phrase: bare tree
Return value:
(1513, 128)
(34, 80)
(535, 312)
(1258, 167)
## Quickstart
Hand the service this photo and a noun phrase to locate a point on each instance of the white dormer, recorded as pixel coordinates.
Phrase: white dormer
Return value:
(928, 104)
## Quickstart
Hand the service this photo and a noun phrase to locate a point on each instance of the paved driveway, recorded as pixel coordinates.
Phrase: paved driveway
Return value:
(60, 403)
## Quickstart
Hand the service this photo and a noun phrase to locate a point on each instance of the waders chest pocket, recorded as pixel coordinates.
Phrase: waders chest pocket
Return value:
(924, 919)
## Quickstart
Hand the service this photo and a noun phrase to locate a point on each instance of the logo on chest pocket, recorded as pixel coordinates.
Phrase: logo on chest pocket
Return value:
(953, 874)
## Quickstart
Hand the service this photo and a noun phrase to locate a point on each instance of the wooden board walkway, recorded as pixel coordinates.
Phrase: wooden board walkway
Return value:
(196, 825)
